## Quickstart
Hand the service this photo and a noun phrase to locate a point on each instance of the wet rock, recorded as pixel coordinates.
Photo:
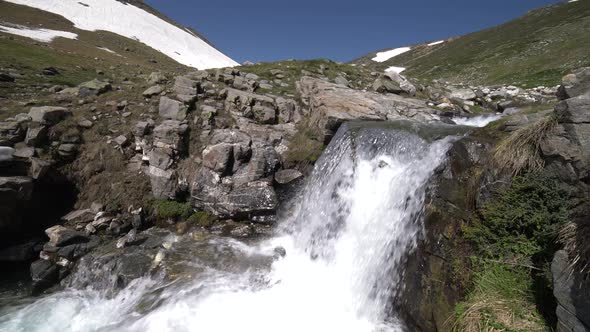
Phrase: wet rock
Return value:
(244, 202)
(61, 236)
(6, 153)
(21, 252)
(287, 176)
(44, 274)
(263, 163)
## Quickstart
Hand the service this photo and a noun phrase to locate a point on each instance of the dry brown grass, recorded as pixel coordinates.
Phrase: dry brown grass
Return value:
(496, 315)
(521, 150)
(571, 235)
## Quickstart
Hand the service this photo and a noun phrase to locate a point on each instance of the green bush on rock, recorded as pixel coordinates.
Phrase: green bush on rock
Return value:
(522, 221)
(514, 238)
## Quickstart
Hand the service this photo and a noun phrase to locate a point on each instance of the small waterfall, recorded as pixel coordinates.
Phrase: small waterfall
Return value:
(345, 243)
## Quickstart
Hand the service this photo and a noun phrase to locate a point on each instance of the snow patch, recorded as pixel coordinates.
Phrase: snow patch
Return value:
(42, 35)
(133, 22)
(107, 50)
(395, 69)
(384, 56)
(436, 43)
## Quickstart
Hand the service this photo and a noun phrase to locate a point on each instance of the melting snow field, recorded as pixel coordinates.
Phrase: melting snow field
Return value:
(436, 43)
(136, 23)
(384, 56)
(42, 35)
(395, 69)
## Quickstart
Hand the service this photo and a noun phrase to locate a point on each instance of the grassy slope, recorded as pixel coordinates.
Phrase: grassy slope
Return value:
(535, 49)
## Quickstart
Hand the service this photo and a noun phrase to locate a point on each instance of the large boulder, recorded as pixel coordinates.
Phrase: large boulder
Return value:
(253, 201)
(61, 236)
(219, 158)
(48, 115)
(152, 91)
(405, 85)
(566, 149)
(462, 94)
(263, 163)
(332, 104)
(574, 84)
(11, 132)
(172, 109)
(573, 305)
(93, 88)
(186, 89)
(16, 193)
(171, 133)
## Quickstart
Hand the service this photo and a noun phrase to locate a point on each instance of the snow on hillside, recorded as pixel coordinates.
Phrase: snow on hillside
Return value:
(395, 69)
(135, 23)
(384, 56)
(436, 43)
(42, 35)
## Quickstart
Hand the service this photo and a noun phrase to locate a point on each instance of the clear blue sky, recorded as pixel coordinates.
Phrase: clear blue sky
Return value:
(341, 30)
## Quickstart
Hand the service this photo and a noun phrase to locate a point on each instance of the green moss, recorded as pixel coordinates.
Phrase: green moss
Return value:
(305, 146)
(203, 219)
(166, 209)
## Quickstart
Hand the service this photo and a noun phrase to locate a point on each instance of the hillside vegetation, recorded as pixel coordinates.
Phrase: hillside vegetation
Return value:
(535, 49)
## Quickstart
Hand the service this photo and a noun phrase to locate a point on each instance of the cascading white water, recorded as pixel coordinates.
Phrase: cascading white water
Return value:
(477, 121)
(358, 217)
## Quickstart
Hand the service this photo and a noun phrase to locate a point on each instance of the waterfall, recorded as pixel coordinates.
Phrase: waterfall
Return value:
(345, 242)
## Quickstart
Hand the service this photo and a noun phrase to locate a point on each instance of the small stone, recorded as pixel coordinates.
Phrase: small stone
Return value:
(153, 91)
(85, 123)
(121, 140)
